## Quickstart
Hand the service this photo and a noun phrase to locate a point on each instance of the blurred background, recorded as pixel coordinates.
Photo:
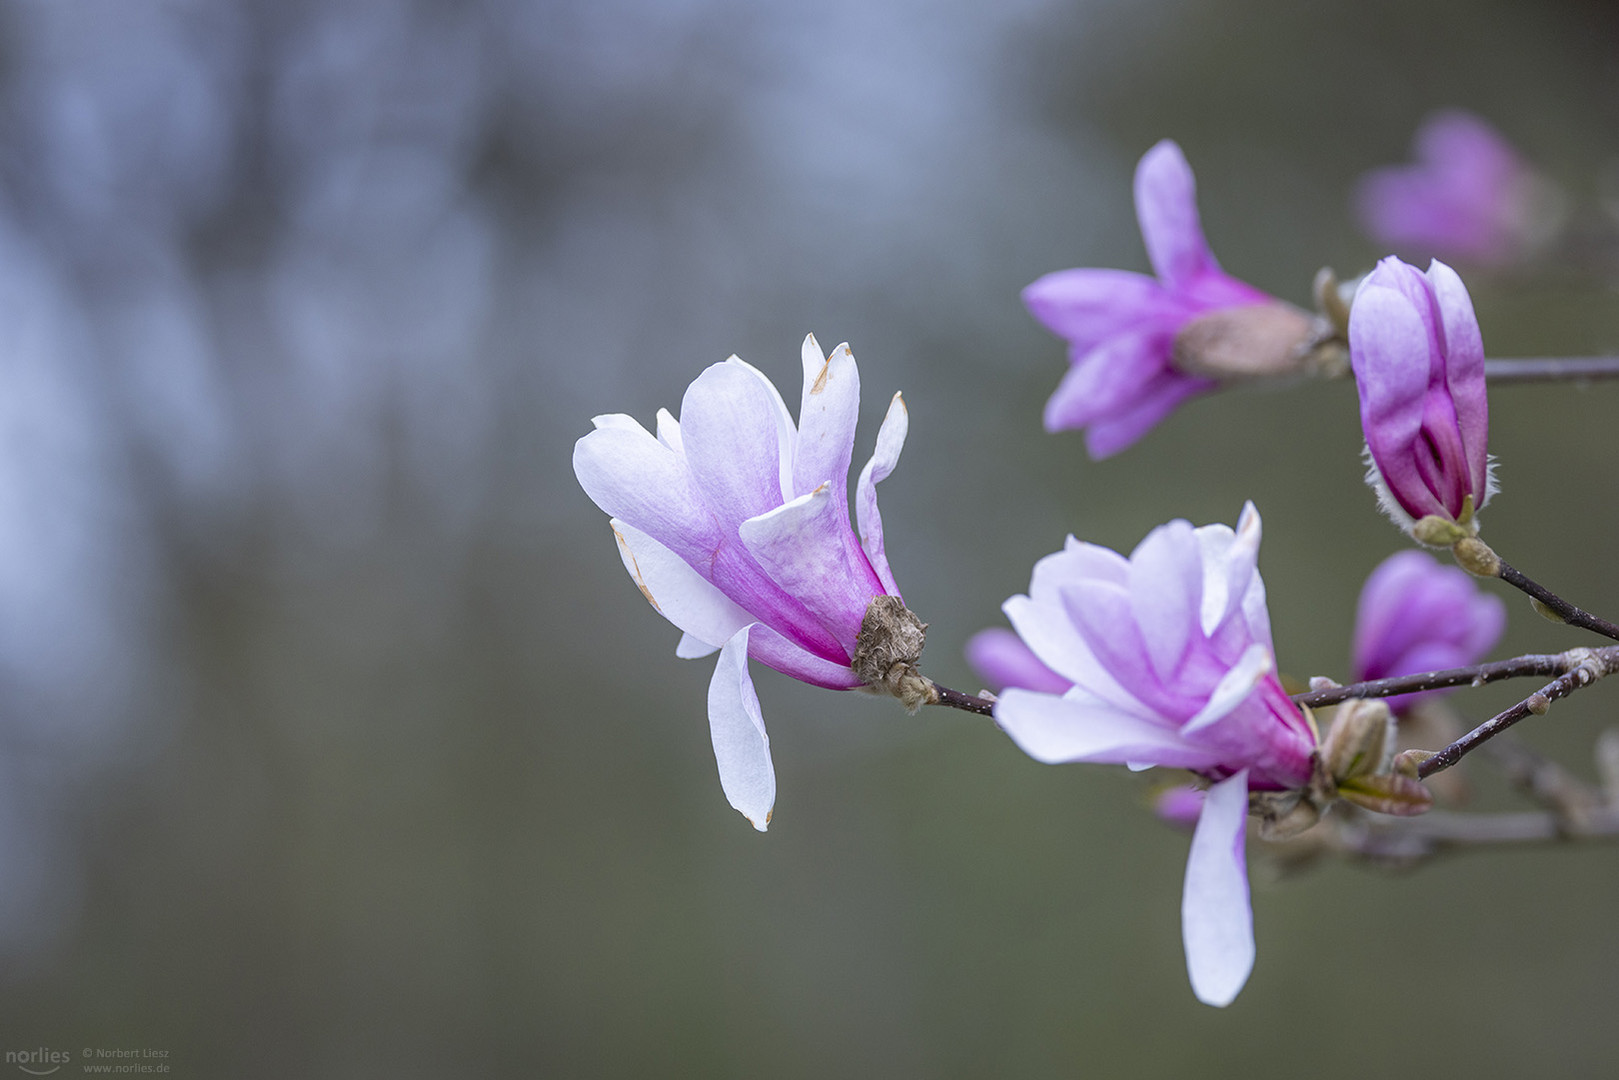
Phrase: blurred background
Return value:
(334, 739)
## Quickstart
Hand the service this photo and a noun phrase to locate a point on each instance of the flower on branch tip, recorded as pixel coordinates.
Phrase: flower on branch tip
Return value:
(1417, 615)
(1468, 196)
(734, 522)
(1139, 345)
(1170, 663)
(1418, 358)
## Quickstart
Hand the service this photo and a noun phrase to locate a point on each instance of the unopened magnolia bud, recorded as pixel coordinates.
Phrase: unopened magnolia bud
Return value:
(1408, 762)
(1321, 682)
(886, 651)
(1545, 612)
(1287, 815)
(1390, 793)
(1436, 531)
(1476, 557)
(1360, 741)
(1255, 341)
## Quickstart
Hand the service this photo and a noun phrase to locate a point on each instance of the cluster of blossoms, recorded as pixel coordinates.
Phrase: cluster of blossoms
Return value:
(734, 522)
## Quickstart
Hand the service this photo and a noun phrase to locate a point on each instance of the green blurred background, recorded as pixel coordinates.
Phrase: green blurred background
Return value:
(338, 743)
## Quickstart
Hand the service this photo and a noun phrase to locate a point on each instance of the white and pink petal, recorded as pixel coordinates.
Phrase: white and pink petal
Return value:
(1217, 919)
(737, 726)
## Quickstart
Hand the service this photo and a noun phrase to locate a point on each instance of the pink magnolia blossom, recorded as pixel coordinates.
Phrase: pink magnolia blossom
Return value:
(1468, 196)
(1171, 663)
(1418, 359)
(734, 523)
(1416, 615)
(1121, 327)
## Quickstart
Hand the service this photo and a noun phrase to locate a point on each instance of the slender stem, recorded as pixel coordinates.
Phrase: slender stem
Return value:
(1551, 369)
(955, 699)
(1588, 671)
(1477, 675)
(1567, 612)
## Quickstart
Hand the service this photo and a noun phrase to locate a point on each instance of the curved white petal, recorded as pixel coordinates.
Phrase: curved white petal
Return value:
(1056, 729)
(890, 441)
(741, 747)
(1233, 688)
(1217, 919)
(694, 648)
(826, 423)
(732, 432)
(678, 592)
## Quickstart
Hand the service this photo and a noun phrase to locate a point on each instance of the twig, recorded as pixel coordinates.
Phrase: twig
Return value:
(1562, 609)
(955, 699)
(1551, 369)
(1595, 665)
(1476, 675)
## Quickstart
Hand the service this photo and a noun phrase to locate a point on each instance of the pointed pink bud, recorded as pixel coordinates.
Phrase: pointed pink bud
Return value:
(1418, 359)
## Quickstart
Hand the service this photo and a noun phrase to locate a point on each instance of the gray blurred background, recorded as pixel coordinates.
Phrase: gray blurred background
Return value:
(334, 739)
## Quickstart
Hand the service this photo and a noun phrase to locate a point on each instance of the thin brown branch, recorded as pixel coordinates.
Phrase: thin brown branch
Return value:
(1475, 675)
(1595, 664)
(955, 699)
(1562, 609)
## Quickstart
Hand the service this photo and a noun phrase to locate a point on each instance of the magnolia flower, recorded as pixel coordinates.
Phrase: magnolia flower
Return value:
(1468, 196)
(1416, 615)
(734, 523)
(1170, 659)
(1140, 346)
(1418, 360)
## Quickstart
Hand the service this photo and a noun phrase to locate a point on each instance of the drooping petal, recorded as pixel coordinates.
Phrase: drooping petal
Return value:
(826, 422)
(808, 551)
(635, 478)
(741, 747)
(1057, 729)
(1086, 306)
(1217, 918)
(1108, 378)
(731, 431)
(1001, 657)
(1106, 437)
(678, 592)
(1166, 207)
(890, 441)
